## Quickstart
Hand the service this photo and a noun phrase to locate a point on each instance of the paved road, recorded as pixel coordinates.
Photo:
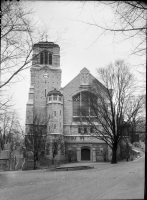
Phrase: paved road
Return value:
(106, 181)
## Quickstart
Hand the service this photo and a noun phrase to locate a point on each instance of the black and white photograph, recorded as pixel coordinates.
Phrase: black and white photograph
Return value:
(73, 100)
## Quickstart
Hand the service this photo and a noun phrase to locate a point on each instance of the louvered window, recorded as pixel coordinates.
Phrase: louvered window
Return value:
(41, 58)
(46, 57)
(50, 59)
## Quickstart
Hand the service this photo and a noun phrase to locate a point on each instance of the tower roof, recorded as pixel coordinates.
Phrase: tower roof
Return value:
(55, 92)
(46, 44)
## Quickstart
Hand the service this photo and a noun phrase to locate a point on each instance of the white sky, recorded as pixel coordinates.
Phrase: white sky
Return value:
(77, 41)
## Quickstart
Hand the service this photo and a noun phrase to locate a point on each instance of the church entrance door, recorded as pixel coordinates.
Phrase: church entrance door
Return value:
(85, 154)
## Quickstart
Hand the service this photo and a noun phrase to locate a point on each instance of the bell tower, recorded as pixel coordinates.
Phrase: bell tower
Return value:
(45, 76)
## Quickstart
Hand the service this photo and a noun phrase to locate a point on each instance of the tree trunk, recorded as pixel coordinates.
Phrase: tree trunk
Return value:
(35, 161)
(132, 135)
(35, 164)
(114, 154)
(54, 155)
(53, 158)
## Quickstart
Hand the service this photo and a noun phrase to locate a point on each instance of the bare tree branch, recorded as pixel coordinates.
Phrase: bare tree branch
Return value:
(110, 107)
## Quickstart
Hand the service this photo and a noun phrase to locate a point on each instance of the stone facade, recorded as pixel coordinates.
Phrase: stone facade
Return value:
(55, 104)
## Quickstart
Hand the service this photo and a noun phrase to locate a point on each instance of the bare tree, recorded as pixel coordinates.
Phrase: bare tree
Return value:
(2, 140)
(136, 121)
(10, 129)
(35, 138)
(55, 143)
(19, 32)
(140, 128)
(17, 38)
(125, 149)
(104, 153)
(16, 33)
(128, 22)
(129, 19)
(6, 102)
(70, 153)
(109, 105)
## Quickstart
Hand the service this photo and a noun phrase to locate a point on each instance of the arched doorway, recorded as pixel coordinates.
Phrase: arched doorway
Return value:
(85, 154)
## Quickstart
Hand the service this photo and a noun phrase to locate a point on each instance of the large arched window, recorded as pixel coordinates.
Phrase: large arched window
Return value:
(83, 104)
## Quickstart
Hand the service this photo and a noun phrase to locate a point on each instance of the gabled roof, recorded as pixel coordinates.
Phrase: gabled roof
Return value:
(85, 70)
(70, 82)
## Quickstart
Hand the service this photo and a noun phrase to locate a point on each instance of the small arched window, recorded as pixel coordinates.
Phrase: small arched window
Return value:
(50, 59)
(41, 58)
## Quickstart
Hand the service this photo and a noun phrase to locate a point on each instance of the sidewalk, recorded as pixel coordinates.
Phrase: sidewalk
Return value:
(94, 164)
(83, 164)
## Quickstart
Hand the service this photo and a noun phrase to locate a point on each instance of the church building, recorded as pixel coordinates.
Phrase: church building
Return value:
(60, 106)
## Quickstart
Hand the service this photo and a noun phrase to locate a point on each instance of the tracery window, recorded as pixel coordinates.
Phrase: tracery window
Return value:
(85, 103)
(84, 100)
(76, 105)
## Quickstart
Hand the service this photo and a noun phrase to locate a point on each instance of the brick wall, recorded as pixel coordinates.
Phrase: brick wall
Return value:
(69, 91)
(55, 119)
(44, 78)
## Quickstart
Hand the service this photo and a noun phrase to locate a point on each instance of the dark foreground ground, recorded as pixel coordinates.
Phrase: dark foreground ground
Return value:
(124, 180)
